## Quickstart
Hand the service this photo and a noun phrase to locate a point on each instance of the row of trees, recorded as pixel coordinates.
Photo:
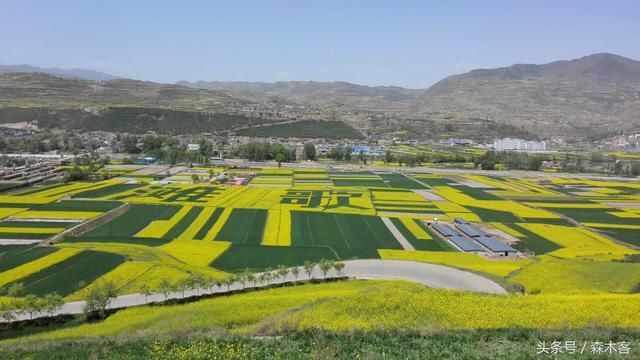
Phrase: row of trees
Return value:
(260, 151)
(511, 159)
(29, 304)
(101, 294)
(197, 282)
(43, 142)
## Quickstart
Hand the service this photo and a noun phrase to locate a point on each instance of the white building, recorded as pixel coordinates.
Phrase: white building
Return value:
(519, 144)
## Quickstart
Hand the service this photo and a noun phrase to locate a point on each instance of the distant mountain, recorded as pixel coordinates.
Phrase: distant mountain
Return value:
(594, 95)
(310, 89)
(596, 92)
(66, 73)
(336, 96)
(126, 105)
(43, 90)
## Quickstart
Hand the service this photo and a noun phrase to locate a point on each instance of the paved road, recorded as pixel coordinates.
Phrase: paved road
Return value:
(397, 234)
(437, 276)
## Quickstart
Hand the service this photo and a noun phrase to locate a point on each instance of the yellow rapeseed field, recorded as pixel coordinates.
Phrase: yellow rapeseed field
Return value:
(122, 276)
(277, 230)
(516, 208)
(197, 224)
(158, 228)
(415, 229)
(612, 226)
(212, 234)
(37, 214)
(6, 212)
(576, 242)
(405, 306)
(34, 266)
(360, 305)
(507, 229)
(195, 252)
(500, 267)
(34, 230)
(570, 276)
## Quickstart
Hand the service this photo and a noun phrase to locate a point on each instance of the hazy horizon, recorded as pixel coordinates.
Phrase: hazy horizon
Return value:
(408, 43)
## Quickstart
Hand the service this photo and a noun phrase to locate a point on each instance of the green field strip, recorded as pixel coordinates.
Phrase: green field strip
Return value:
(436, 244)
(431, 181)
(478, 194)
(396, 180)
(629, 236)
(491, 215)
(107, 191)
(9, 235)
(64, 277)
(533, 242)
(257, 258)
(351, 236)
(184, 223)
(193, 195)
(21, 255)
(36, 224)
(37, 189)
(596, 215)
(79, 205)
(348, 182)
(351, 173)
(244, 226)
(209, 224)
(124, 227)
(4, 249)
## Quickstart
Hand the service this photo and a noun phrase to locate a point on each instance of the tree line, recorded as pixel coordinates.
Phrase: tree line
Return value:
(101, 294)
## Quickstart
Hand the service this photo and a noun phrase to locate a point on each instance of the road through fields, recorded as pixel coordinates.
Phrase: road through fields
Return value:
(438, 276)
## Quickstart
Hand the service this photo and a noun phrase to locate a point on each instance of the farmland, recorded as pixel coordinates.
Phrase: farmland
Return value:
(575, 241)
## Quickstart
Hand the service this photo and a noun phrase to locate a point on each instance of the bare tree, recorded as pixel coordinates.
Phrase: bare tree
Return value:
(308, 268)
(146, 291)
(52, 303)
(325, 266)
(283, 271)
(165, 288)
(295, 272)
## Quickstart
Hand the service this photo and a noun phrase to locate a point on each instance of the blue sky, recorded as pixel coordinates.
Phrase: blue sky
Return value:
(405, 43)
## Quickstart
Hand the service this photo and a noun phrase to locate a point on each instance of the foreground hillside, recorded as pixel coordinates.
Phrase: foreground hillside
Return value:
(413, 312)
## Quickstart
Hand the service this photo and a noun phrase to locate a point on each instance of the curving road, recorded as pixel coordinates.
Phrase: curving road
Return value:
(437, 276)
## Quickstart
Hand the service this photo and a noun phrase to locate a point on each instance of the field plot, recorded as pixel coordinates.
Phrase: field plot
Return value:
(549, 276)
(566, 229)
(125, 227)
(48, 194)
(191, 194)
(418, 236)
(256, 258)
(391, 201)
(107, 191)
(65, 277)
(22, 255)
(396, 180)
(311, 178)
(350, 236)
(244, 226)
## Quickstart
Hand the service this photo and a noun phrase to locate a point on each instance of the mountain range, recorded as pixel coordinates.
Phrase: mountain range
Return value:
(596, 93)
(80, 74)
